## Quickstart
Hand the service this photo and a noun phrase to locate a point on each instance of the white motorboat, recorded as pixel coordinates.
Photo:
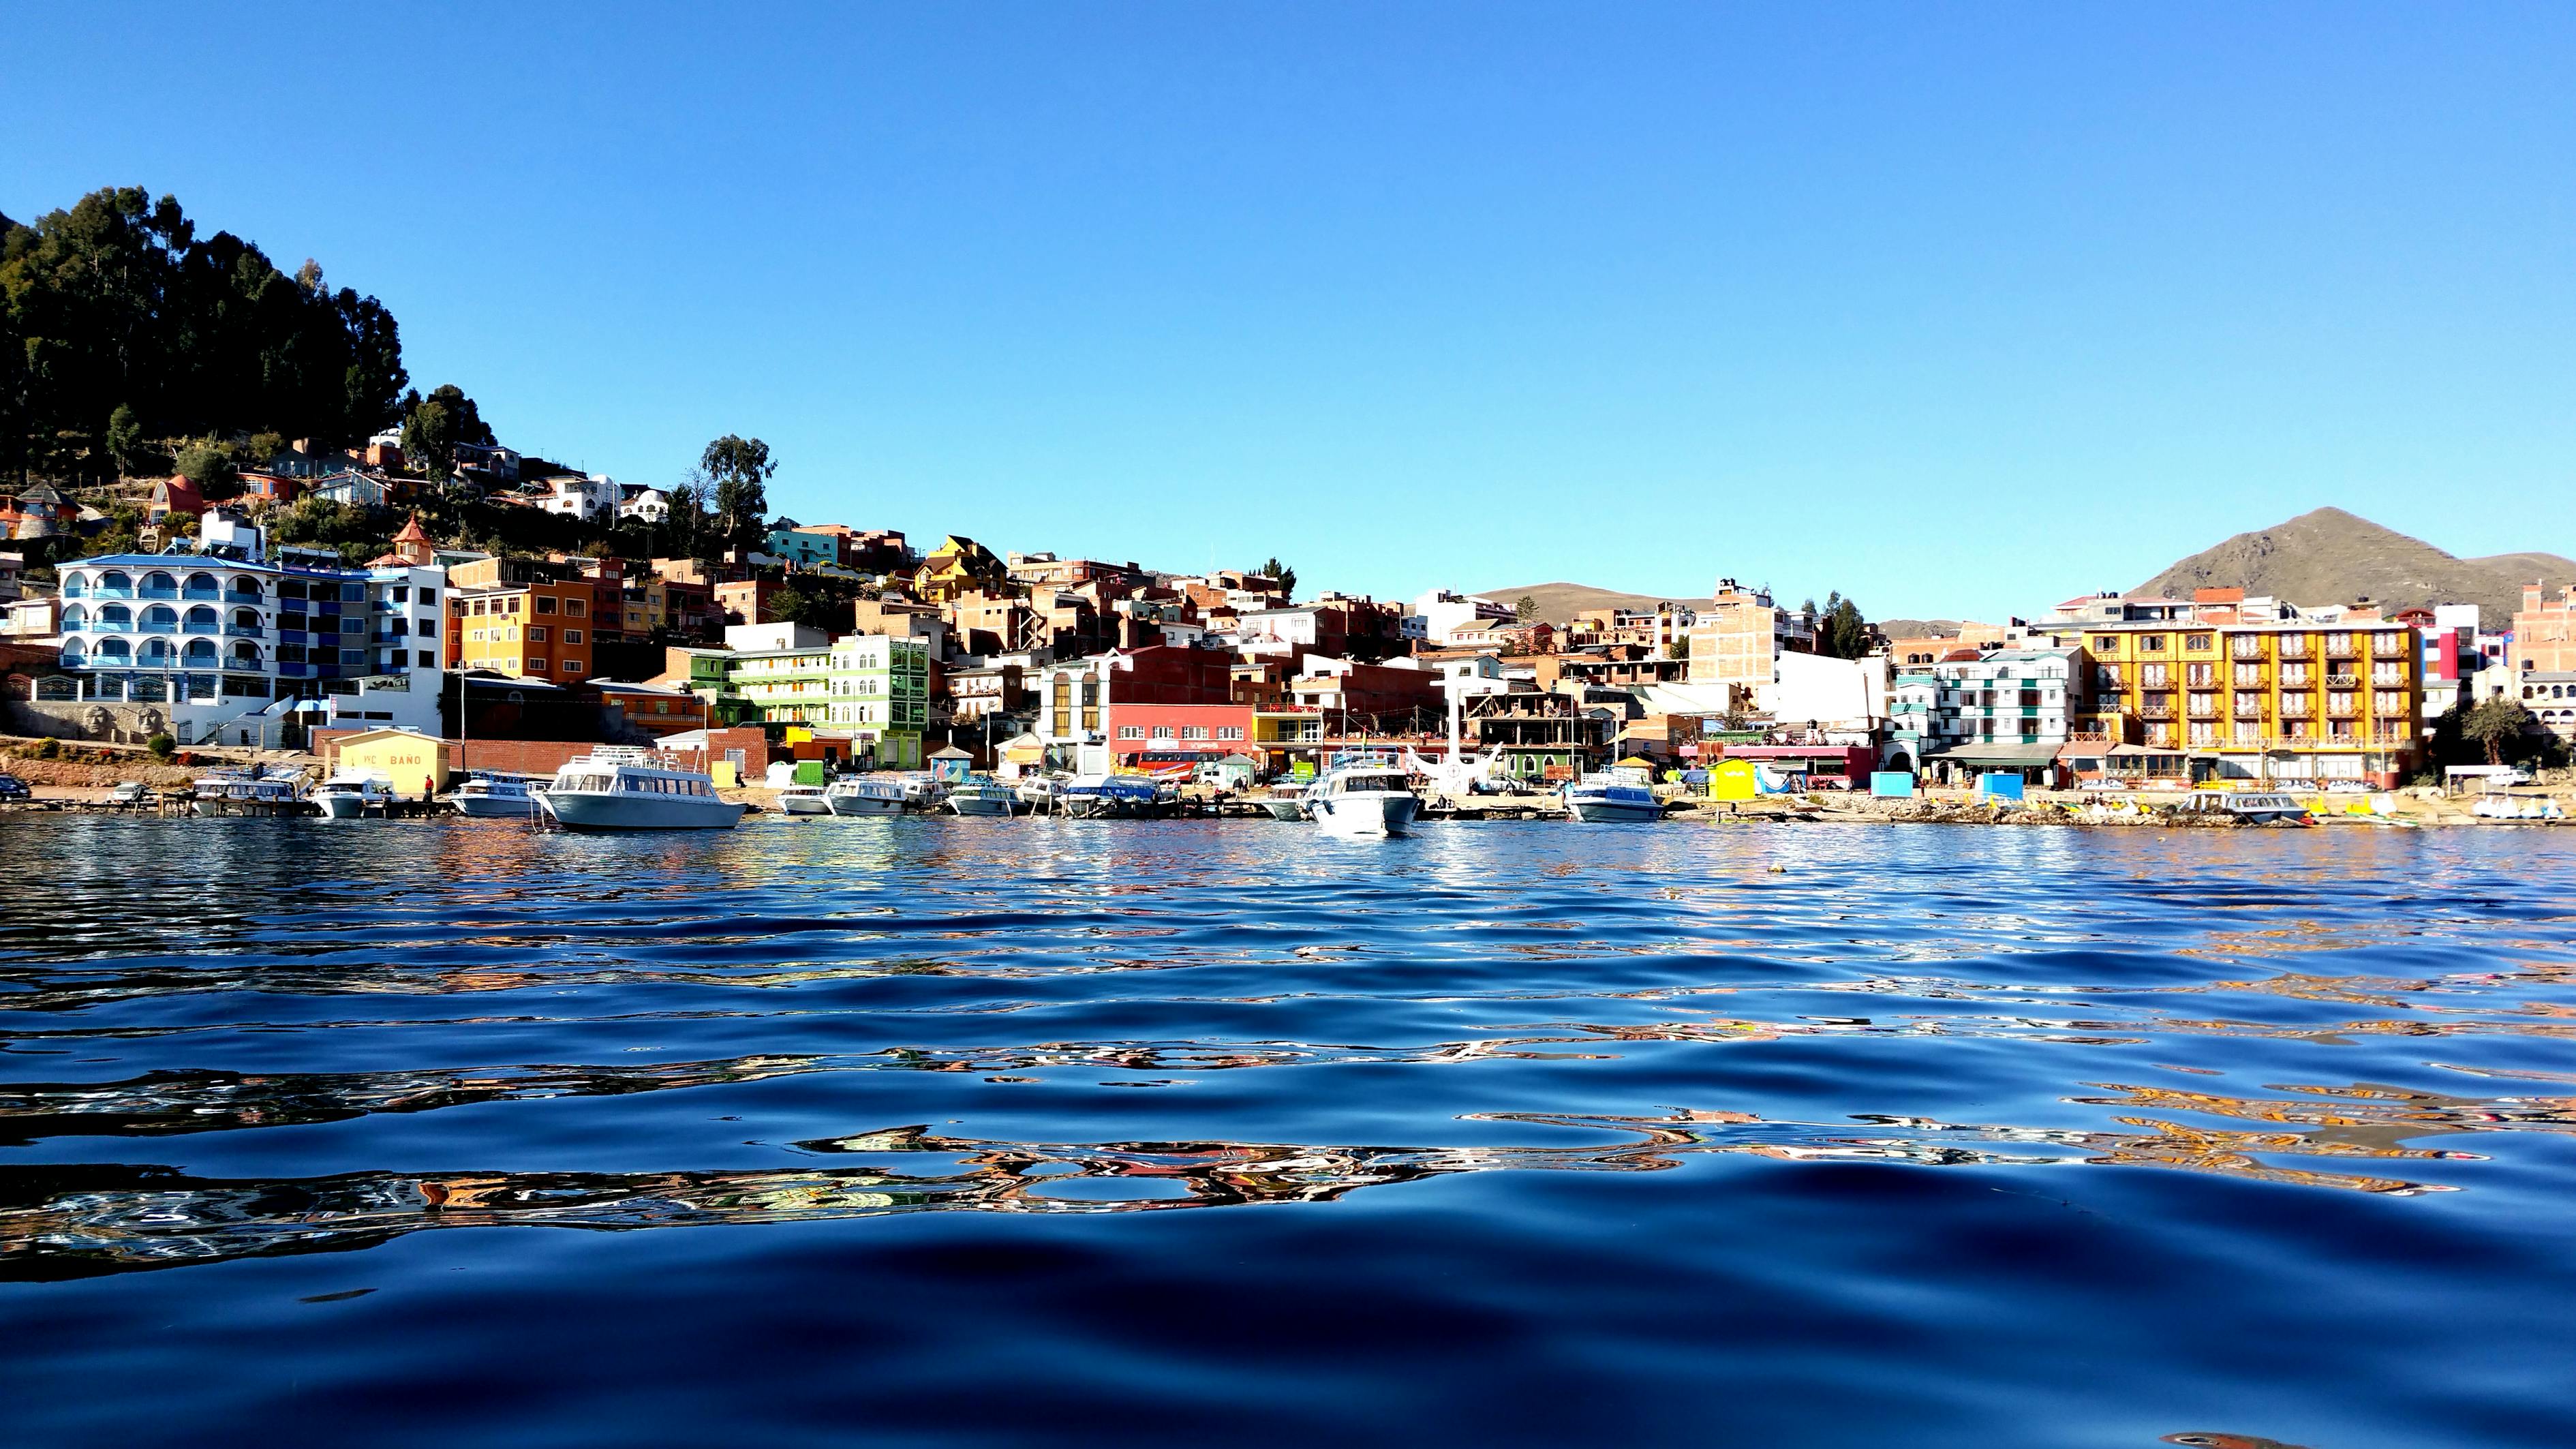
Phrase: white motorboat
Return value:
(1116, 797)
(983, 797)
(350, 794)
(1039, 792)
(1614, 795)
(618, 787)
(2254, 807)
(486, 795)
(864, 795)
(803, 800)
(1285, 802)
(245, 792)
(1363, 798)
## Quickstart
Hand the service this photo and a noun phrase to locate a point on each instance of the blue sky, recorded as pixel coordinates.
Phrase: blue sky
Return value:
(1959, 310)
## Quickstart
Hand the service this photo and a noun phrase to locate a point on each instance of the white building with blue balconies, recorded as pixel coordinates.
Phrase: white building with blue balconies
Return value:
(224, 644)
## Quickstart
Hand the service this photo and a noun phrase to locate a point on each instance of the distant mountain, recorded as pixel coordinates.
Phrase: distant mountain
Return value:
(2333, 557)
(1558, 603)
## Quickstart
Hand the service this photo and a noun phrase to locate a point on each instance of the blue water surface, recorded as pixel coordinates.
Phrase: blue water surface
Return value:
(1009, 1131)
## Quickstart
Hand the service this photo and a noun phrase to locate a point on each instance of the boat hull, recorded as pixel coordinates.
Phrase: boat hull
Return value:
(494, 807)
(1372, 814)
(342, 807)
(620, 811)
(803, 805)
(853, 806)
(982, 804)
(1612, 812)
(1285, 809)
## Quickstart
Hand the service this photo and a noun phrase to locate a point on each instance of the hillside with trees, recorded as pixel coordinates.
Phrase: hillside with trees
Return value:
(124, 332)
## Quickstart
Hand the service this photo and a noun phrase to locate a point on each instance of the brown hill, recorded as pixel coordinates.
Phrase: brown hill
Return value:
(1558, 603)
(2332, 557)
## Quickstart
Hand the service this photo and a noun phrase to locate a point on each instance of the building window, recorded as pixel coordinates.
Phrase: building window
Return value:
(545, 605)
(538, 663)
(1131, 732)
(572, 636)
(572, 666)
(2152, 643)
(1162, 732)
(536, 633)
(427, 659)
(576, 607)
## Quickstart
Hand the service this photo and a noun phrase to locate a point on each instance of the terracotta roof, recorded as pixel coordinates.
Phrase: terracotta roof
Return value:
(412, 532)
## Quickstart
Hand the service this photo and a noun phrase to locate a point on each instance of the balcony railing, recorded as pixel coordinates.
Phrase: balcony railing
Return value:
(194, 627)
(2343, 681)
(2155, 711)
(200, 592)
(245, 631)
(151, 593)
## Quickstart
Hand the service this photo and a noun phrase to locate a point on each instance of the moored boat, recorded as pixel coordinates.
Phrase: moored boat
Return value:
(246, 792)
(1112, 798)
(864, 795)
(803, 800)
(618, 787)
(490, 795)
(1285, 802)
(352, 793)
(983, 797)
(1363, 797)
(1612, 796)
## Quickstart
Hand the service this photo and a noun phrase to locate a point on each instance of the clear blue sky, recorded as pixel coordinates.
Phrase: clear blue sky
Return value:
(1959, 310)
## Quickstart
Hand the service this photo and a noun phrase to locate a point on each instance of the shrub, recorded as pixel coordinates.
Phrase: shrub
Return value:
(162, 746)
(51, 749)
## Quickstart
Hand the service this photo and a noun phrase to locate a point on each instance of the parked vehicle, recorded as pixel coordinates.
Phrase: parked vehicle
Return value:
(13, 788)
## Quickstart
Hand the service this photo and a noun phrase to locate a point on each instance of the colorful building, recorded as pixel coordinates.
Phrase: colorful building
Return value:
(539, 629)
(881, 695)
(2268, 700)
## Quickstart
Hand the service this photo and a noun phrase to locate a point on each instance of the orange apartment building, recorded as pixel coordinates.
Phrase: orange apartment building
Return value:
(540, 629)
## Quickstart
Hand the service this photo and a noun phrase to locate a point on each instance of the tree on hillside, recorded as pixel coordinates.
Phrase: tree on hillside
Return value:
(125, 439)
(1272, 568)
(687, 529)
(2494, 724)
(434, 425)
(737, 471)
(1525, 608)
(209, 465)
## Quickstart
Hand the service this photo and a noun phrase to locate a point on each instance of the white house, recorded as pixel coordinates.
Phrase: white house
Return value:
(652, 505)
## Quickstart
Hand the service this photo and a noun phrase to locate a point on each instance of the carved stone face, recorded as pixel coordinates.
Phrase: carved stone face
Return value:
(98, 721)
(150, 722)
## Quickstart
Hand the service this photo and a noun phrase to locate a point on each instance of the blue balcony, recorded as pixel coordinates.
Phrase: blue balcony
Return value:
(245, 631)
(193, 627)
(153, 593)
(104, 592)
(196, 592)
(148, 628)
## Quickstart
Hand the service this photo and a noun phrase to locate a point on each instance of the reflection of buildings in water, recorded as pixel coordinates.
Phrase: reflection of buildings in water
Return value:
(107, 1218)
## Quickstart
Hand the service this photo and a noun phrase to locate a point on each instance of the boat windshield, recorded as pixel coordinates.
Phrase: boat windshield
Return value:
(1351, 784)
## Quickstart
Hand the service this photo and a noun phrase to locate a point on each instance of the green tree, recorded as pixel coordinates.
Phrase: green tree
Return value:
(737, 472)
(208, 464)
(1525, 608)
(1272, 568)
(125, 438)
(434, 425)
(2495, 723)
(119, 300)
(162, 746)
(1841, 632)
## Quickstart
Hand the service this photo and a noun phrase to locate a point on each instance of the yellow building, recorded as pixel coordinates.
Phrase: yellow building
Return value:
(2271, 701)
(959, 566)
(411, 760)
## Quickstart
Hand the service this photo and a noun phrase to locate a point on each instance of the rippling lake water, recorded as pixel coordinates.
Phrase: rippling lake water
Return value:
(998, 1132)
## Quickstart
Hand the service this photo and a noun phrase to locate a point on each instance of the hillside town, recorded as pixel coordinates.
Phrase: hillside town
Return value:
(851, 647)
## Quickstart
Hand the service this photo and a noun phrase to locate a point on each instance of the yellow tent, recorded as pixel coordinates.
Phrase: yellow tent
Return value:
(1734, 780)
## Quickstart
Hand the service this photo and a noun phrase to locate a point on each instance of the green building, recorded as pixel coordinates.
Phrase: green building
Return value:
(879, 691)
